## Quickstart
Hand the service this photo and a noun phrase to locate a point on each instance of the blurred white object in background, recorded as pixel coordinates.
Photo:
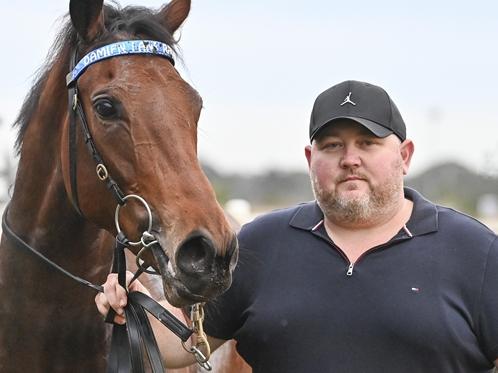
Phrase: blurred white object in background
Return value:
(487, 210)
(240, 209)
(487, 206)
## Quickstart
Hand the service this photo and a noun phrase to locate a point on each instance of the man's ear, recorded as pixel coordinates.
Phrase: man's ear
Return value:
(307, 153)
(407, 148)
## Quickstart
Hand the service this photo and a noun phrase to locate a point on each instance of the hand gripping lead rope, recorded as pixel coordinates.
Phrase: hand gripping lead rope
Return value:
(128, 352)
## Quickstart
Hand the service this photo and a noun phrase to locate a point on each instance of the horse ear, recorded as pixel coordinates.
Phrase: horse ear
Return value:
(87, 18)
(173, 14)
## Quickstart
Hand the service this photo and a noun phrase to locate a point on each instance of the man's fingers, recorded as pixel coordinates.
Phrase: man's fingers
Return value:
(115, 296)
(114, 293)
(102, 303)
(104, 307)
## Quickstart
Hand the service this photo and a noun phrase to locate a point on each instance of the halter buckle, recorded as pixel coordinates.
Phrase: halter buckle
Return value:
(102, 172)
(75, 101)
(147, 240)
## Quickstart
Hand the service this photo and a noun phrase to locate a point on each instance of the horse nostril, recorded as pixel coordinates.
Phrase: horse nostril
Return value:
(195, 255)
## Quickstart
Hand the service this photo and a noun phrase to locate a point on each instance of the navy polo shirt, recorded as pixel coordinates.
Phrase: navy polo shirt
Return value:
(426, 301)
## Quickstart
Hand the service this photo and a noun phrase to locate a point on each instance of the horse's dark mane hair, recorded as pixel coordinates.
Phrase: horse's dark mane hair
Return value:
(131, 22)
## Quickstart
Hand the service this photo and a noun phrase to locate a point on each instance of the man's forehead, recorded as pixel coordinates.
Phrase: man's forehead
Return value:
(344, 126)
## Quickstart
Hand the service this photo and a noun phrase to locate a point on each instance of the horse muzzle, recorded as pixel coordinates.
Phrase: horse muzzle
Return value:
(198, 271)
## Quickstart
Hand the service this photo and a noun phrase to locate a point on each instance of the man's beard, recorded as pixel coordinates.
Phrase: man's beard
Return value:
(365, 208)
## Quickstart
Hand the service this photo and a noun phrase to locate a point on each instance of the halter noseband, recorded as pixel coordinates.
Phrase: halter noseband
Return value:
(122, 48)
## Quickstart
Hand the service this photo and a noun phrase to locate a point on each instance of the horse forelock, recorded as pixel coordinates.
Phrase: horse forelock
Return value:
(132, 22)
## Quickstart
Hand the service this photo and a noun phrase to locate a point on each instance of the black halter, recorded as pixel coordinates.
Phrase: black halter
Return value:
(149, 47)
(126, 350)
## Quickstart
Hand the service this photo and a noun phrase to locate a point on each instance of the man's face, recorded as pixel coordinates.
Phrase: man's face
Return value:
(356, 175)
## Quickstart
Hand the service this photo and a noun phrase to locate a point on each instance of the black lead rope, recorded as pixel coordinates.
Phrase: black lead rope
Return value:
(21, 244)
(126, 352)
(127, 340)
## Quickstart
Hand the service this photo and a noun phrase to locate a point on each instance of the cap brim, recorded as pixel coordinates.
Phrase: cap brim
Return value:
(373, 127)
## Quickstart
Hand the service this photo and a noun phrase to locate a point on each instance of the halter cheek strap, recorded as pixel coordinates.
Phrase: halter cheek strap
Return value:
(122, 48)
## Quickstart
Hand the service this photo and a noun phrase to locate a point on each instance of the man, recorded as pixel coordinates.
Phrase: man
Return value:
(370, 277)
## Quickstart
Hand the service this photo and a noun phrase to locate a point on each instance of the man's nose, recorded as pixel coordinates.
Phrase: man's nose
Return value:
(350, 158)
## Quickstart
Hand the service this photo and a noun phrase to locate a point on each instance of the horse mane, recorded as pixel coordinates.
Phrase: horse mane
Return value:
(133, 22)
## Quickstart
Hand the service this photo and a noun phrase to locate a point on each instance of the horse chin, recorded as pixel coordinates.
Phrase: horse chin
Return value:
(179, 295)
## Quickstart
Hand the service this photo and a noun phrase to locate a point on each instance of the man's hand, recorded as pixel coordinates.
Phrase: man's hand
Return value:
(115, 296)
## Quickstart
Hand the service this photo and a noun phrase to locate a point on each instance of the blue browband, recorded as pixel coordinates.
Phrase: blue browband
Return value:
(120, 48)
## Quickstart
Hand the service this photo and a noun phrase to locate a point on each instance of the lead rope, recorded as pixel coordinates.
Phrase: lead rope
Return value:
(126, 340)
(136, 315)
(126, 351)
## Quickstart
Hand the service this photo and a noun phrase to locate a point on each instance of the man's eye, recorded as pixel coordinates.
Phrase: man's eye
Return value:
(105, 108)
(332, 145)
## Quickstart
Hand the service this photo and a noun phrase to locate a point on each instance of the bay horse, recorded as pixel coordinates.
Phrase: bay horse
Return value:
(143, 118)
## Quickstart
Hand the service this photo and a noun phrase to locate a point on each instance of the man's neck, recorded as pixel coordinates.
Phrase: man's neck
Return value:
(354, 238)
(378, 218)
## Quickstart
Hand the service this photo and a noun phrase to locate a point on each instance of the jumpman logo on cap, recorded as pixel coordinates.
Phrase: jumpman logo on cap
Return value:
(347, 100)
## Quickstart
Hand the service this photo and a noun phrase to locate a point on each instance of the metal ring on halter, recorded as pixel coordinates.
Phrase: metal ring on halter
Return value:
(116, 216)
(140, 265)
(146, 236)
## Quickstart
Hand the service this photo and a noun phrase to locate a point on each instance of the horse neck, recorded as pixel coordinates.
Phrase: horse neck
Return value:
(40, 210)
(42, 215)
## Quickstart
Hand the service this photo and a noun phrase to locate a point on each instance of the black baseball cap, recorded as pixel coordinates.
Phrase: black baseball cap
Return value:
(366, 104)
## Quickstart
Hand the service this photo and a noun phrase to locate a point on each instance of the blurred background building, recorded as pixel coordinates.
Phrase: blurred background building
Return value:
(449, 184)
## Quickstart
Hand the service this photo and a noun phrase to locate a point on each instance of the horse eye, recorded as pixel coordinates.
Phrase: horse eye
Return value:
(105, 108)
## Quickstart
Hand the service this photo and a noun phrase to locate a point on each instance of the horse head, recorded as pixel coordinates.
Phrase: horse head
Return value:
(143, 119)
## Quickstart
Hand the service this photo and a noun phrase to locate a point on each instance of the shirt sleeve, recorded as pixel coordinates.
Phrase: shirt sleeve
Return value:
(488, 305)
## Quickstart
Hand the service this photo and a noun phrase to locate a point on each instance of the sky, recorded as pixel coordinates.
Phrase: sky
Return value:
(259, 65)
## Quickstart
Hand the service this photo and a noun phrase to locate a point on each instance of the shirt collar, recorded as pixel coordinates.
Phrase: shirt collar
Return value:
(424, 218)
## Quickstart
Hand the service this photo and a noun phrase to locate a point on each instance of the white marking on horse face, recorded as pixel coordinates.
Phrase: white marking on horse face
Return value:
(171, 271)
